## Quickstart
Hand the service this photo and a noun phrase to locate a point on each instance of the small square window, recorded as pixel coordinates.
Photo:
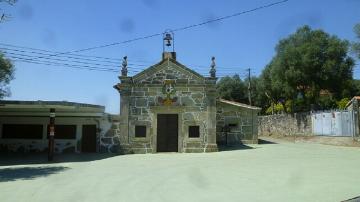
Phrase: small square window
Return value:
(140, 131)
(194, 131)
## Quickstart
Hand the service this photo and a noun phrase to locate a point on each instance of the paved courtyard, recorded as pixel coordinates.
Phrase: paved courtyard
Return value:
(264, 172)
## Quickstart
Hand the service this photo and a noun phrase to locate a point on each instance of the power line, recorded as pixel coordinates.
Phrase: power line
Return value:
(62, 64)
(43, 50)
(70, 63)
(26, 57)
(77, 56)
(10, 51)
(229, 16)
(23, 54)
(174, 30)
(57, 59)
(87, 58)
(29, 54)
(85, 67)
(47, 56)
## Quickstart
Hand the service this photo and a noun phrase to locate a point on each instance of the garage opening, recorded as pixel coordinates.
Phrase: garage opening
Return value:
(88, 142)
(167, 133)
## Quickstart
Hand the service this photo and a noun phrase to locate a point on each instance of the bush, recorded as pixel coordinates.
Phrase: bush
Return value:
(278, 108)
(327, 102)
(342, 103)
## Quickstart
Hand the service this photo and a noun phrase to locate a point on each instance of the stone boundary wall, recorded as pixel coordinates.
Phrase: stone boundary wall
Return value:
(285, 124)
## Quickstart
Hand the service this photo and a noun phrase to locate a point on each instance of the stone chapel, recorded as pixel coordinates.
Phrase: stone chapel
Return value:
(168, 107)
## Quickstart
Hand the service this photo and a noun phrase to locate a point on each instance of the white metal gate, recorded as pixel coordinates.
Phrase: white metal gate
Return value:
(334, 123)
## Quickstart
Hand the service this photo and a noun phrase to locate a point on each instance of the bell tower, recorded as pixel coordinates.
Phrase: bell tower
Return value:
(168, 45)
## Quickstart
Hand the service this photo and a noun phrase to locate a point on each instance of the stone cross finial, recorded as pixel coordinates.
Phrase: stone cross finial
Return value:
(124, 70)
(213, 70)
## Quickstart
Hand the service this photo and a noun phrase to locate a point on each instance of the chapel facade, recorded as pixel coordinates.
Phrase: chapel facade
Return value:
(167, 108)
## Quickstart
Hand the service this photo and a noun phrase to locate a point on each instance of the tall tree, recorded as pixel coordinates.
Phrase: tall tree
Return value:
(306, 63)
(355, 87)
(232, 88)
(6, 75)
(356, 45)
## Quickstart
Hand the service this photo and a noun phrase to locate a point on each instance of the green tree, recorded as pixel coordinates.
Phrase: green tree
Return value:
(6, 75)
(271, 88)
(356, 45)
(307, 62)
(232, 88)
(257, 92)
(355, 87)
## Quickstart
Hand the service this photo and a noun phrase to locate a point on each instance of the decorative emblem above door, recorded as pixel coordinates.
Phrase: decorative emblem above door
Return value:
(169, 91)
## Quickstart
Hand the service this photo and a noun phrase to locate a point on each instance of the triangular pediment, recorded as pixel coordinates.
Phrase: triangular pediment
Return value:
(168, 69)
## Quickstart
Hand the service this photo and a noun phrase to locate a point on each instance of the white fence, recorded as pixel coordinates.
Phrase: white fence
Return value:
(334, 123)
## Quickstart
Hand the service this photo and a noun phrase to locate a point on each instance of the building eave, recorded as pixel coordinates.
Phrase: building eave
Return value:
(42, 107)
(237, 104)
(352, 100)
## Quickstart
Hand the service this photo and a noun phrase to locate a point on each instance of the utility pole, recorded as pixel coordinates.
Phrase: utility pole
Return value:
(51, 135)
(249, 87)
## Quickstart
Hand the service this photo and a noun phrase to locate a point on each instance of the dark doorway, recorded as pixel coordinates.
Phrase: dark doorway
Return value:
(167, 133)
(88, 143)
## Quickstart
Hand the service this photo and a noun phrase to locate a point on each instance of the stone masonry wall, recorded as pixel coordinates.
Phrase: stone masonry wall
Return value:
(110, 140)
(285, 124)
(244, 120)
(191, 100)
(160, 75)
(111, 136)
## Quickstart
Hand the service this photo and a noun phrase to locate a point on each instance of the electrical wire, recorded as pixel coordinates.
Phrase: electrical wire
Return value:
(70, 54)
(26, 57)
(80, 57)
(99, 62)
(173, 30)
(84, 59)
(133, 63)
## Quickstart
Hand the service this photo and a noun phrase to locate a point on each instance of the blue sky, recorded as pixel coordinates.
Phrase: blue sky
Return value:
(237, 43)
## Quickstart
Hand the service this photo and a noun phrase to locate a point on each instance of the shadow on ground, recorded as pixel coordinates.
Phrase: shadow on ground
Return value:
(262, 141)
(8, 159)
(234, 147)
(356, 199)
(28, 173)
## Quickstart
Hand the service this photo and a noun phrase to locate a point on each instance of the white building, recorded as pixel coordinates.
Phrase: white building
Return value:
(24, 126)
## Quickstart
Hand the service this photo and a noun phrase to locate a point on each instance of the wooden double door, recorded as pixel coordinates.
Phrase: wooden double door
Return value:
(167, 132)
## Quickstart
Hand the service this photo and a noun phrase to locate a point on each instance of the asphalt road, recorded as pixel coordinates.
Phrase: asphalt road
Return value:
(264, 172)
